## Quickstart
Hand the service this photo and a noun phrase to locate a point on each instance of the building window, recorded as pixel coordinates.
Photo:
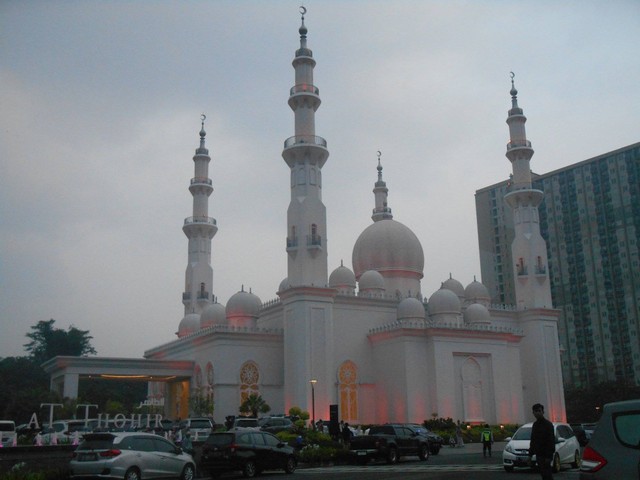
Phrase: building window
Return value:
(348, 392)
(249, 378)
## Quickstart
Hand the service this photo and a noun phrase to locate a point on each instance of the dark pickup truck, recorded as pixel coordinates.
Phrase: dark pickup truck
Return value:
(389, 442)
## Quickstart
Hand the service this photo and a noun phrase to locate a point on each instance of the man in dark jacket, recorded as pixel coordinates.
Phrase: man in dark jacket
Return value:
(543, 442)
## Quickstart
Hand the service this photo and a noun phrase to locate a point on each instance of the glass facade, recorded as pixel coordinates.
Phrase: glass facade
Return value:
(590, 220)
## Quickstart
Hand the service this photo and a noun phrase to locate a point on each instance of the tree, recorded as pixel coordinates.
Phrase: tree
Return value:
(253, 404)
(25, 387)
(201, 405)
(48, 342)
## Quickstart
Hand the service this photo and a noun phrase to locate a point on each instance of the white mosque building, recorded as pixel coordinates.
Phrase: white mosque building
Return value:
(364, 338)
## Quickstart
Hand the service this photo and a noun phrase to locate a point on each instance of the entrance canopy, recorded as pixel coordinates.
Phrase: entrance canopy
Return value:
(65, 372)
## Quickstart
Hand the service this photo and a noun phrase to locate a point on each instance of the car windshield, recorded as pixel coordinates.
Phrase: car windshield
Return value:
(199, 424)
(247, 423)
(96, 442)
(7, 427)
(523, 433)
(220, 439)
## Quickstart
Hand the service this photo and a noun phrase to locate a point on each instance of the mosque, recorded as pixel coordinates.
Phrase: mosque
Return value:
(364, 338)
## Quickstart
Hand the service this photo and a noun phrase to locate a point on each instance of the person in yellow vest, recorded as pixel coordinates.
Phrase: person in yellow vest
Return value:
(487, 440)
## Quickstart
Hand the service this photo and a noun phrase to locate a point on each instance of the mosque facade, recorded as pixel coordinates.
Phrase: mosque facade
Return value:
(364, 338)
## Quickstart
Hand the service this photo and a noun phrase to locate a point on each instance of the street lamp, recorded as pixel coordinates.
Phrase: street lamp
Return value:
(313, 382)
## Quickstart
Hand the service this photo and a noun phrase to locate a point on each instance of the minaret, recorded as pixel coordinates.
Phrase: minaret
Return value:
(306, 153)
(199, 229)
(381, 192)
(528, 250)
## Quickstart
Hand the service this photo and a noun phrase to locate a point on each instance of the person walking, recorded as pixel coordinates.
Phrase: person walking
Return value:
(543, 442)
(459, 440)
(346, 435)
(487, 440)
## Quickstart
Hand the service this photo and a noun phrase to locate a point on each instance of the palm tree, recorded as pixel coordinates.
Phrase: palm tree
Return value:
(253, 404)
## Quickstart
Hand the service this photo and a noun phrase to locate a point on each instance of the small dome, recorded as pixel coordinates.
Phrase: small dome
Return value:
(444, 301)
(284, 284)
(476, 292)
(189, 324)
(477, 313)
(371, 280)
(342, 277)
(388, 246)
(213, 314)
(411, 309)
(243, 304)
(454, 285)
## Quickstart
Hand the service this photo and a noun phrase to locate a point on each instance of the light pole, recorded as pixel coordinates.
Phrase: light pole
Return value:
(313, 382)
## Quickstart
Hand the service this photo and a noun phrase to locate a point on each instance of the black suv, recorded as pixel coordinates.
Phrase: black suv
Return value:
(276, 424)
(249, 451)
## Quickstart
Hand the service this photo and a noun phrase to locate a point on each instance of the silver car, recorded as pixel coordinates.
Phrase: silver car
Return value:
(130, 456)
(614, 449)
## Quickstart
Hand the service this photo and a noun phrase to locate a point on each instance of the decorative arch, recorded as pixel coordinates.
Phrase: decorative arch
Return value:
(209, 385)
(348, 390)
(472, 390)
(249, 379)
(197, 375)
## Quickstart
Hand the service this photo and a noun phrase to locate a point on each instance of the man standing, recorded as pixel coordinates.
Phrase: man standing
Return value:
(487, 440)
(543, 442)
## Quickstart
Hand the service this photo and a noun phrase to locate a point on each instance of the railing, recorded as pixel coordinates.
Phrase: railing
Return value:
(201, 180)
(207, 220)
(314, 240)
(302, 139)
(541, 270)
(203, 295)
(518, 144)
(522, 271)
(292, 242)
(186, 296)
(304, 88)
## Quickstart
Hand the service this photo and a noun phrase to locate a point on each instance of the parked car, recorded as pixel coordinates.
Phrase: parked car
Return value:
(66, 431)
(249, 451)
(435, 440)
(275, 424)
(241, 423)
(516, 452)
(614, 449)
(199, 428)
(8, 433)
(130, 456)
(389, 442)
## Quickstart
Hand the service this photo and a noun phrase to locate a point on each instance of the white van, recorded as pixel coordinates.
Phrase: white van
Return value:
(7, 432)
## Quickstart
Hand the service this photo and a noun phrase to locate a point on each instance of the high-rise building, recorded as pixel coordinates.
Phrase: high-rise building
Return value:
(590, 221)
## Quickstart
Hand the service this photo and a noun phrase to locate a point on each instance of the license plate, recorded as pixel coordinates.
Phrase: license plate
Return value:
(87, 457)
(360, 452)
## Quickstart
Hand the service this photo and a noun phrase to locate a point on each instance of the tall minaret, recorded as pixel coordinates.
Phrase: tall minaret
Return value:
(381, 192)
(306, 153)
(199, 229)
(528, 250)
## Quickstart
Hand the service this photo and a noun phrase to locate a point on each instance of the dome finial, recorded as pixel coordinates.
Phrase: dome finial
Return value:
(202, 149)
(303, 28)
(379, 166)
(513, 92)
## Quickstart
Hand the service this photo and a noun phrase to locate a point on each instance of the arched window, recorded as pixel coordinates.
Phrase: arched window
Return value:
(197, 374)
(209, 385)
(348, 391)
(249, 378)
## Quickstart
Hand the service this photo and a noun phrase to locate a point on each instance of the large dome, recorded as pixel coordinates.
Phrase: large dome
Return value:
(243, 305)
(444, 301)
(342, 277)
(189, 324)
(388, 246)
(454, 285)
(213, 314)
(476, 292)
(411, 309)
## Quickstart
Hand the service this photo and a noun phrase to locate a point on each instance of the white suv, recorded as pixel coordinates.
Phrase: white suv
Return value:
(199, 428)
(516, 452)
(7, 433)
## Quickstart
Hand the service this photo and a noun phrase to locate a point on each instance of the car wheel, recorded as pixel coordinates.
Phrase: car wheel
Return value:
(508, 469)
(132, 474)
(291, 465)
(555, 466)
(576, 460)
(392, 456)
(249, 469)
(424, 452)
(188, 472)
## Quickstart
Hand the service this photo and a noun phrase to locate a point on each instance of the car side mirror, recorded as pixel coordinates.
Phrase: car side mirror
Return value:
(508, 439)
(560, 440)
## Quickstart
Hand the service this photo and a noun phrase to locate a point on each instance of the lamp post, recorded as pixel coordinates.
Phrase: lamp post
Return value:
(313, 382)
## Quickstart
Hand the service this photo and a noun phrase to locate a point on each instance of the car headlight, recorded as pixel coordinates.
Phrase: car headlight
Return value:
(509, 448)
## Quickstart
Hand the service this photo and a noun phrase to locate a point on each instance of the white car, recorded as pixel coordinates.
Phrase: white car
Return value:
(7, 433)
(516, 452)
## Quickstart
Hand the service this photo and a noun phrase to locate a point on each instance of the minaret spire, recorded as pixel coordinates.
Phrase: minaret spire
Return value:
(528, 250)
(305, 153)
(199, 229)
(381, 192)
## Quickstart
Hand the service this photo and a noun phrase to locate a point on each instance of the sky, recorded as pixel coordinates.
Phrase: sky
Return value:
(100, 107)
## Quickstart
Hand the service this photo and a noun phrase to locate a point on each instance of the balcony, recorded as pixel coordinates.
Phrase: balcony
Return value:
(522, 271)
(205, 220)
(541, 270)
(292, 242)
(202, 295)
(197, 180)
(186, 296)
(304, 88)
(305, 140)
(314, 241)
(518, 144)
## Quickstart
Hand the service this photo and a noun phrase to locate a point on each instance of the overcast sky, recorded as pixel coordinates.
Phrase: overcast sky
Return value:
(100, 107)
